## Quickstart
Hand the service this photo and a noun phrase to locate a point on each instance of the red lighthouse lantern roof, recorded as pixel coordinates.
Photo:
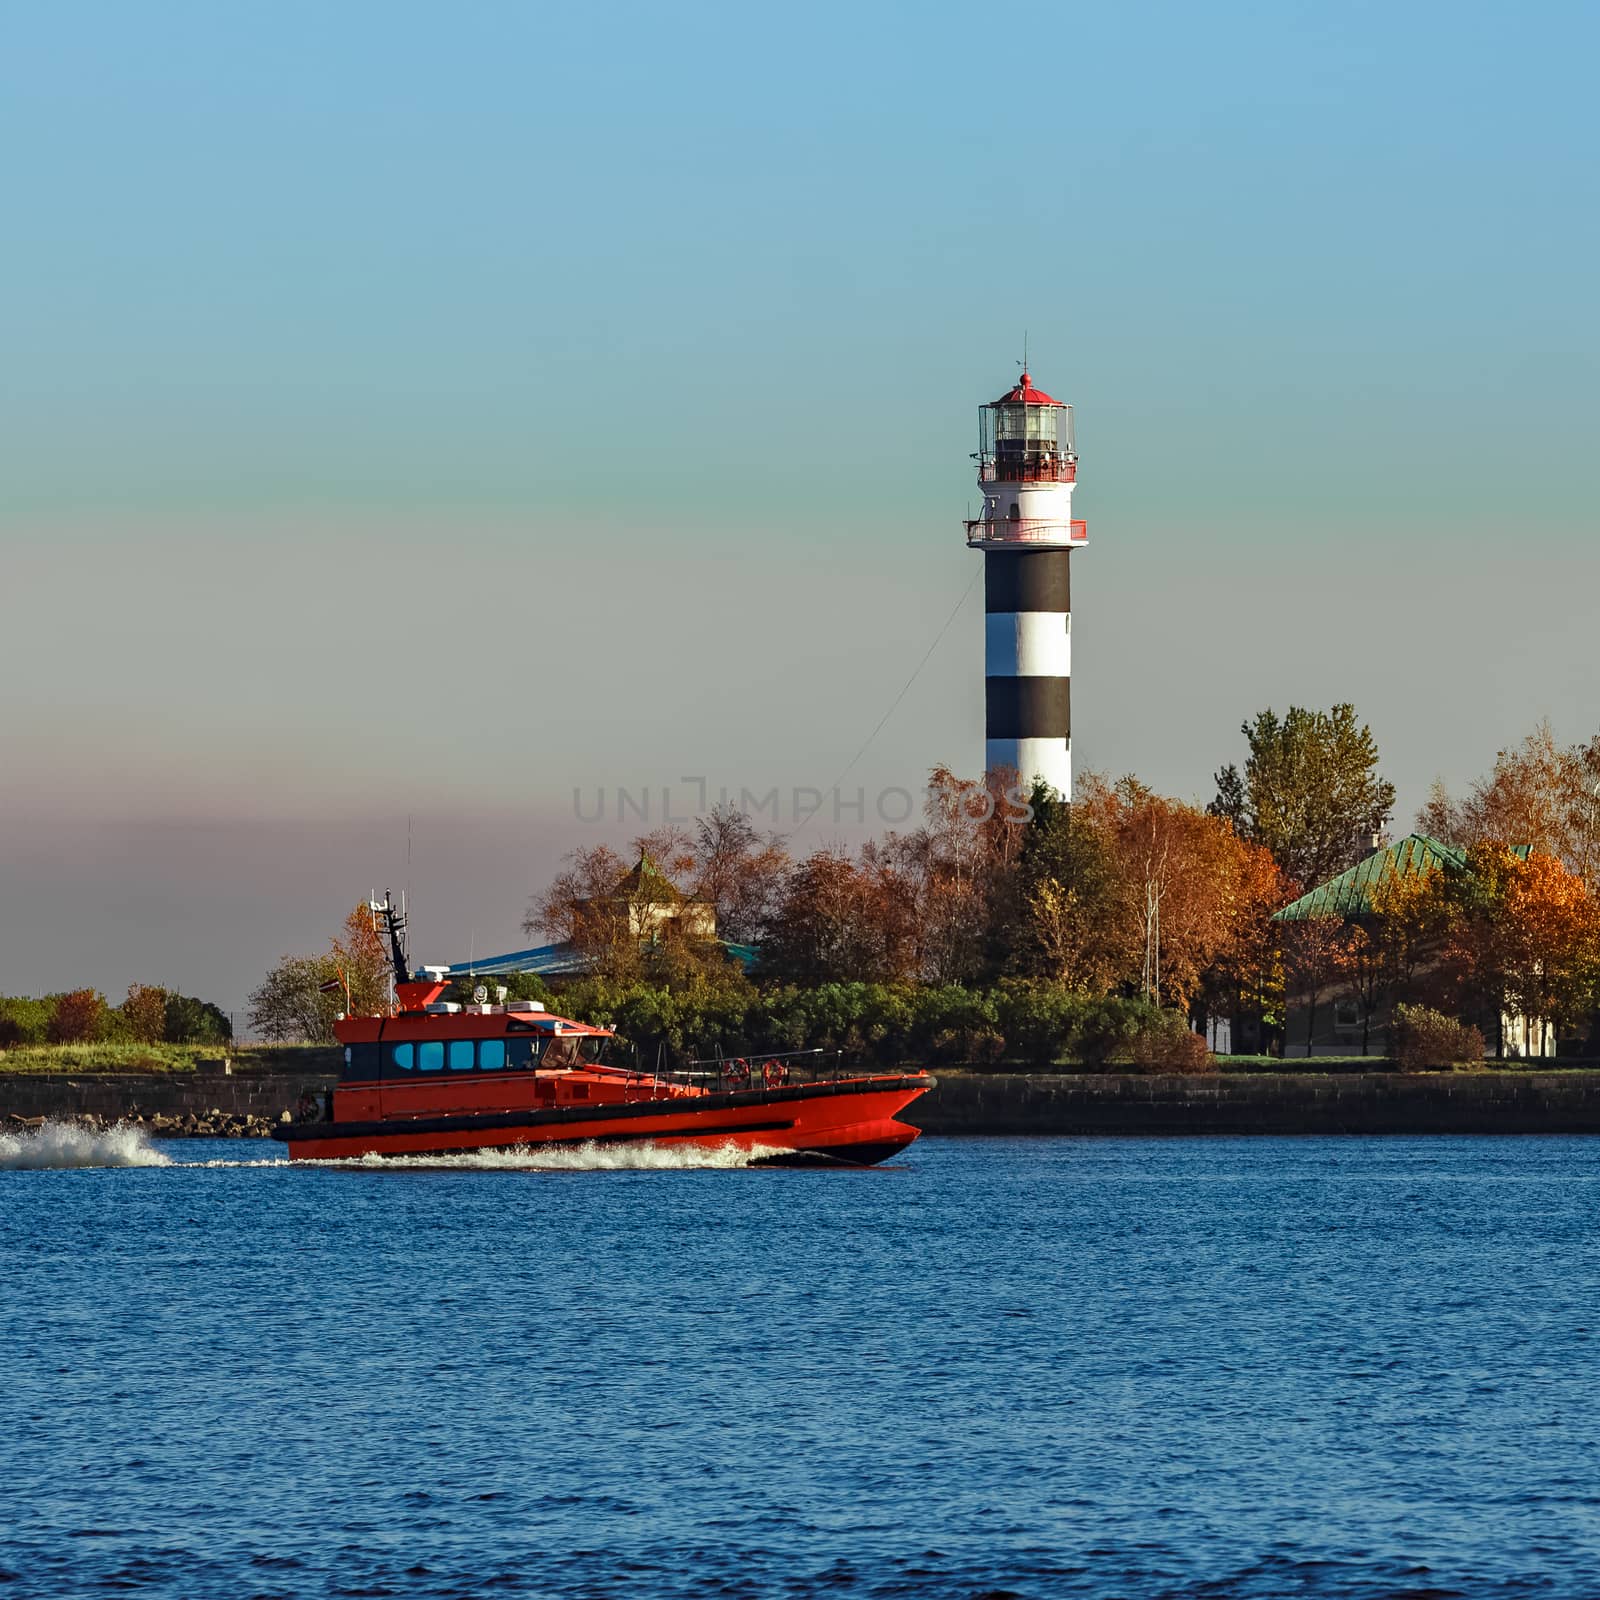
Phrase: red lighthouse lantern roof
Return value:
(1026, 394)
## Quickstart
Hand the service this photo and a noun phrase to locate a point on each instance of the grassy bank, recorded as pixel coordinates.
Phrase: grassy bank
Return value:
(160, 1057)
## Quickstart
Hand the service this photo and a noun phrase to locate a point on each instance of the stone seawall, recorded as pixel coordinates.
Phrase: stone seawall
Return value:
(1278, 1102)
(216, 1102)
(964, 1102)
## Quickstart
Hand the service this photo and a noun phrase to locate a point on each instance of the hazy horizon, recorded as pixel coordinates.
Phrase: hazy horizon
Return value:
(424, 415)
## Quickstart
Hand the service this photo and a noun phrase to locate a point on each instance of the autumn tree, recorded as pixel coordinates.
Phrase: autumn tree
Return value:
(1408, 919)
(303, 995)
(841, 919)
(580, 907)
(563, 911)
(289, 1005)
(951, 873)
(1247, 978)
(1524, 938)
(1551, 939)
(144, 1013)
(1389, 947)
(1065, 923)
(1313, 952)
(361, 963)
(1177, 872)
(670, 849)
(1360, 959)
(1309, 792)
(948, 859)
(1539, 793)
(79, 1017)
(738, 871)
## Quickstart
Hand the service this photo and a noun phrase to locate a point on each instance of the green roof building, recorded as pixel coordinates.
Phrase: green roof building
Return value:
(1349, 896)
(1330, 1018)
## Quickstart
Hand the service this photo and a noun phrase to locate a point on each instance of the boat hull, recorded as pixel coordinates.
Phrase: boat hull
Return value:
(853, 1122)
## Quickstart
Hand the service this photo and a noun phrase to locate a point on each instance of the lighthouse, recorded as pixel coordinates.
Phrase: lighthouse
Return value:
(1027, 469)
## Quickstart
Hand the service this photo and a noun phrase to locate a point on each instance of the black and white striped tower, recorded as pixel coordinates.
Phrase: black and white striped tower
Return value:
(1027, 467)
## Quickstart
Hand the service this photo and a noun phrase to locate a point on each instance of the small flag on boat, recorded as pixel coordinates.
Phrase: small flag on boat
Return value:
(334, 986)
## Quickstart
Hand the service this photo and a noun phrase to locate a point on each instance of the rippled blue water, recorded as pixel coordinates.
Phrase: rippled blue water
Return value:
(1136, 1368)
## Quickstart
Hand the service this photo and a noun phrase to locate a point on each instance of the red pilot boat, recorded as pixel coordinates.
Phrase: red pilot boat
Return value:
(436, 1078)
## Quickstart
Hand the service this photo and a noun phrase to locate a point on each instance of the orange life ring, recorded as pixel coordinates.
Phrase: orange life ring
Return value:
(774, 1073)
(739, 1070)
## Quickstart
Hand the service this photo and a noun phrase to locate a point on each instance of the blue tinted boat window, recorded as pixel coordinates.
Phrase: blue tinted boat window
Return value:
(401, 1057)
(461, 1055)
(491, 1054)
(430, 1055)
(520, 1052)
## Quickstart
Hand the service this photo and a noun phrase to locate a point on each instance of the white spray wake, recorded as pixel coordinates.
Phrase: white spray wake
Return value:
(65, 1144)
(207, 1166)
(621, 1157)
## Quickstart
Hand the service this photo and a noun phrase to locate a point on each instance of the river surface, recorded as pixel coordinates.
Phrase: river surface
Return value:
(1115, 1367)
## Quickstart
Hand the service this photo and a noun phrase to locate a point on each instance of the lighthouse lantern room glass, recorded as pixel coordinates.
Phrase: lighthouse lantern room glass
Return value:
(1026, 440)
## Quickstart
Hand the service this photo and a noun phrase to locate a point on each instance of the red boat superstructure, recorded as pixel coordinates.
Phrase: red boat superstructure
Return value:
(434, 1078)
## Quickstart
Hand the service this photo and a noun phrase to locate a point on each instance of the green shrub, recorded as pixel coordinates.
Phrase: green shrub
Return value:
(1424, 1039)
(886, 1025)
(191, 1021)
(662, 1024)
(1107, 1029)
(24, 1021)
(1040, 1022)
(517, 985)
(948, 1021)
(114, 1027)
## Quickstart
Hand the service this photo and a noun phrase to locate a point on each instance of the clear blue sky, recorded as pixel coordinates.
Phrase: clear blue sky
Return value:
(426, 409)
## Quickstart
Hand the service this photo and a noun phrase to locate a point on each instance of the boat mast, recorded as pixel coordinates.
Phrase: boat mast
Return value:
(390, 919)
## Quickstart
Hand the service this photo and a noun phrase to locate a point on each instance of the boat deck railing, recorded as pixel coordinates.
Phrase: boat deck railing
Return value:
(768, 1069)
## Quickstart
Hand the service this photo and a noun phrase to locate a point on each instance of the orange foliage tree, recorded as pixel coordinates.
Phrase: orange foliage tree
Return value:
(838, 918)
(1539, 793)
(1187, 887)
(1551, 938)
(291, 1003)
(1247, 976)
(361, 959)
(953, 873)
(144, 1013)
(1525, 937)
(738, 871)
(79, 1017)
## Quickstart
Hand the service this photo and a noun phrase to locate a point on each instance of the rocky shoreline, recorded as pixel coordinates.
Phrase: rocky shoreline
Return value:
(214, 1124)
(169, 1105)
